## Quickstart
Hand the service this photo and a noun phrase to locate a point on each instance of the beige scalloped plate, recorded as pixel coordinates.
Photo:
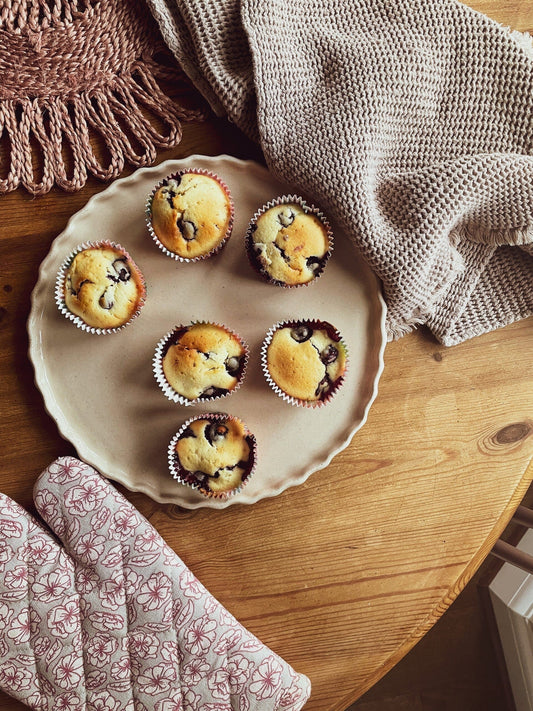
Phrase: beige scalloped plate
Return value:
(101, 390)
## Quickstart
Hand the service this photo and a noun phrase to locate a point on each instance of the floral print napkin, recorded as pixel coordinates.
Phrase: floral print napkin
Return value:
(111, 619)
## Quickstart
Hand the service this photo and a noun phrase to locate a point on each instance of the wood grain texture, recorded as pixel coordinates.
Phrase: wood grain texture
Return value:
(342, 575)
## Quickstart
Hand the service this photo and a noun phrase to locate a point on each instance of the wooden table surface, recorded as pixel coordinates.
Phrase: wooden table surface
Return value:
(343, 574)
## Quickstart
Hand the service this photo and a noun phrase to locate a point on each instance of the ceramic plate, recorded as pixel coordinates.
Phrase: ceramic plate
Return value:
(101, 390)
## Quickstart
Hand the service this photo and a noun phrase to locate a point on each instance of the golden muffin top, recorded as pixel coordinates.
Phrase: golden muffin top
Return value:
(305, 362)
(217, 452)
(103, 287)
(203, 360)
(191, 214)
(289, 244)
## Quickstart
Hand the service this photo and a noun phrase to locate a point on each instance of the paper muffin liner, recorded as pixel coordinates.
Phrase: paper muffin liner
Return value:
(165, 386)
(316, 324)
(308, 208)
(184, 476)
(148, 213)
(60, 287)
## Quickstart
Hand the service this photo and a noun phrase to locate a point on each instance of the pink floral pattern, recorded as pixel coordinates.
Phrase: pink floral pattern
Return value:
(51, 586)
(16, 578)
(15, 677)
(89, 547)
(124, 523)
(20, 629)
(114, 621)
(64, 619)
(68, 671)
(155, 592)
(38, 551)
(266, 679)
(200, 636)
(84, 497)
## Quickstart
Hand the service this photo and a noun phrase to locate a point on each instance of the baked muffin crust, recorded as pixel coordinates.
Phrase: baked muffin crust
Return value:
(191, 214)
(217, 452)
(103, 287)
(203, 360)
(305, 360)
(289, 245)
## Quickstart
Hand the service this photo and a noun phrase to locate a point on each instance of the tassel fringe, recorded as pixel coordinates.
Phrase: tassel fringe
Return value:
(63, 140)
(67, 113)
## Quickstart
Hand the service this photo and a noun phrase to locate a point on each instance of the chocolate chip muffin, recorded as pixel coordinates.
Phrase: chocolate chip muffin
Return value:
(289, 242)
(214, 453)
(190, 215)
(201, 361)
(100, 287)
(304, 361)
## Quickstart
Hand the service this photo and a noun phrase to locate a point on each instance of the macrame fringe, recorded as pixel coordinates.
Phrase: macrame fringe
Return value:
(65, 139)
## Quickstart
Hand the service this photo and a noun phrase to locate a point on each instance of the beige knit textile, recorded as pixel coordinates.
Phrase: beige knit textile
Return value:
(410, 121)
(81, 92)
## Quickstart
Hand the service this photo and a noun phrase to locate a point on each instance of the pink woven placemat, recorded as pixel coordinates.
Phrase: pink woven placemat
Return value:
(82, 92)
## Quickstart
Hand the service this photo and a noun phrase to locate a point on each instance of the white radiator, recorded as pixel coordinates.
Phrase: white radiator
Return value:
(511, 595)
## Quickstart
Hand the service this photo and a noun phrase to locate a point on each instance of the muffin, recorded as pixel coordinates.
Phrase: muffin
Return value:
(100, 287)
(190, 215)
(201, 361)
(304, 361)
(213, 453)
(289, 242)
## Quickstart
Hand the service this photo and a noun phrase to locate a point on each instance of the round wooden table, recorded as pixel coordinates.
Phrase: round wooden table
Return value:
(343, 574)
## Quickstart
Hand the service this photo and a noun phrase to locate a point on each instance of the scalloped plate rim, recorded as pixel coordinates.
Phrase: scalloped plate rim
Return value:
(68, 433)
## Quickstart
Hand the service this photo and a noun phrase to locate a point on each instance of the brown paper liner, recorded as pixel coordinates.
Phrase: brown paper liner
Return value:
(188, 478)
(249, 243)
(315, 324)
(165, 386)
(60, 288)
(148, 213)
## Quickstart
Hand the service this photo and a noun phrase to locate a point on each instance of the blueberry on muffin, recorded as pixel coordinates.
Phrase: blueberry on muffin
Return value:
(101, 286)
(304, 360)
(201, 361)
(191, 214)
(214, 453)
(289, 242)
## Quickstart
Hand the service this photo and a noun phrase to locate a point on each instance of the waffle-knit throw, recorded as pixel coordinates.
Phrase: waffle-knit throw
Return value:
(110, 619)
(82, 91)
(411, 122)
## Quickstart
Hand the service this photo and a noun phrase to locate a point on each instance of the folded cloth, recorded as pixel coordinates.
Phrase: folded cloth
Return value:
(113, 619)
(410, 122)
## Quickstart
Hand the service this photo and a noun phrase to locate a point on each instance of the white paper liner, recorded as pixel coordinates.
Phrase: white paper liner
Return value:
(308, 208)
(176, 471)
(165, 386)
(60, 288)
(316, 324)
(148, 213)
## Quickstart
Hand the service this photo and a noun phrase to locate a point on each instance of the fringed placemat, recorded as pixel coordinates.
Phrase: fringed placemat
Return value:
(82, 91)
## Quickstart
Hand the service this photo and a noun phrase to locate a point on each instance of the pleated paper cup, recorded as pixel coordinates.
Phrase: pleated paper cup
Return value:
(169, 339)
(61, 282)
(291, 398)
(199, 481)
(253, 255)
(156, 238)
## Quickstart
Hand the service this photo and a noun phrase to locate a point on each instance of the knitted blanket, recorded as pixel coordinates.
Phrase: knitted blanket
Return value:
(409, 122)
